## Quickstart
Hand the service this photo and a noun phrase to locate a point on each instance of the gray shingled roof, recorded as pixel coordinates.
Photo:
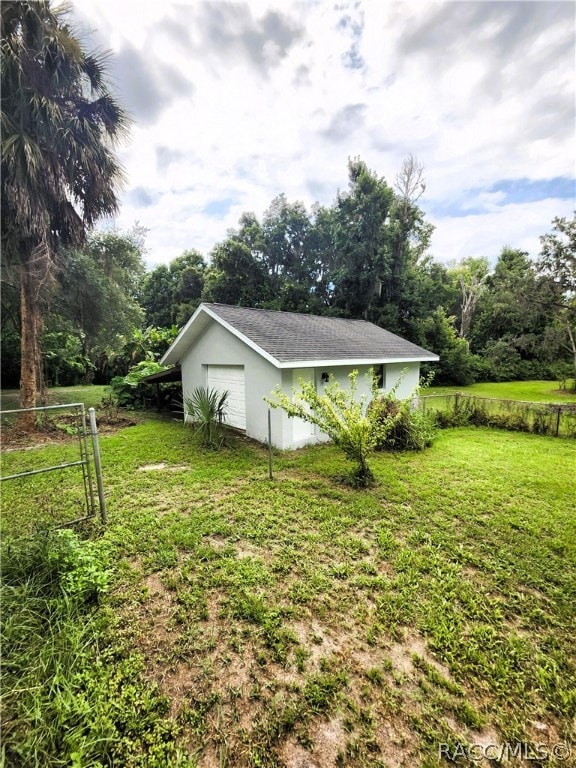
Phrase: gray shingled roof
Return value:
(290, 336)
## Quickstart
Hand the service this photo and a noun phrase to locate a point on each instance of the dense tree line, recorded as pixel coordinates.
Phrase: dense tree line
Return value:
(365, 256)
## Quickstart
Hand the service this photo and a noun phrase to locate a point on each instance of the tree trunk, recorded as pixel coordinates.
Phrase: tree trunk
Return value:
(572, 344)
(30, 349)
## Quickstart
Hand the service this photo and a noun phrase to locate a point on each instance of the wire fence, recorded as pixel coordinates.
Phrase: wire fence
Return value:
(43, 493)
(459, 409)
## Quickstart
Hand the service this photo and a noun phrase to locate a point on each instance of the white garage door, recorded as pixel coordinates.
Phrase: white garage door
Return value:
(230, 378)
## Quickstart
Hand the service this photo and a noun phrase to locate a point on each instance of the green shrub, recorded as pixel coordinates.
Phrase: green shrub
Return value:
(131, 392)
(563, 372)
(57, 564)
(206, 409)
(343, 416)
(411, 429)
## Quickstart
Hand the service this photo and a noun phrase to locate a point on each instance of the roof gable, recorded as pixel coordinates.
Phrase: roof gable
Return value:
(290, 338)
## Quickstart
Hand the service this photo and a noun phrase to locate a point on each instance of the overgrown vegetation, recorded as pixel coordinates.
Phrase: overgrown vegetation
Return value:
(359, 425)
(132, 392)
(410, 429)
(70, 694)
(460, 410)
(299, 620)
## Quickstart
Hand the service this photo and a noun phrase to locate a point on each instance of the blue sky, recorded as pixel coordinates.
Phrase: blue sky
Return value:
(235, 103)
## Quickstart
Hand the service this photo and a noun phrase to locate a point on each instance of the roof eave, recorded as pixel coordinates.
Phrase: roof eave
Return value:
(186, 337)
(354, 361)
(174, 352)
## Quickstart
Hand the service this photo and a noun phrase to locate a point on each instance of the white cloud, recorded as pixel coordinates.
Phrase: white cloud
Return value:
(516, 225)
(239, 102)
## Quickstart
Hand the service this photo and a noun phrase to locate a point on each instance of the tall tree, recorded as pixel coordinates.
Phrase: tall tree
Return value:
(291, 246)
(380, 241)
(511, 319)
(96, 291)
(362, 256)
(471, 274)
(236, 277)
(441, 337)
(59, 171)
(408, 240)
(558, 263)
(286, 231)
(156, 296)
(188, 272)
(169, 294)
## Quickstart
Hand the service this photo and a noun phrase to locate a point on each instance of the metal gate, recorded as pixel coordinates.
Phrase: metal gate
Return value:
(88, 462)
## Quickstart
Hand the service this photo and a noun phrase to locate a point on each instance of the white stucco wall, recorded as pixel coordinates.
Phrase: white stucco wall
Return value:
(405, 375)
(217, 346)
(408, 374)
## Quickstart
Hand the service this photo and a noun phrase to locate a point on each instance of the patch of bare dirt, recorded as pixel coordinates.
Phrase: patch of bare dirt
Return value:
(400, 654)
(55, 432)
(246, 549)
(162, 466)
(533, 592)
(328, 740)
(318, 641)
(219, 665)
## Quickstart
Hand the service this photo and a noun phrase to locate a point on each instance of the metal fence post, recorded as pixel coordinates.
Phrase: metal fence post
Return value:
(270, 446)
(97, 464)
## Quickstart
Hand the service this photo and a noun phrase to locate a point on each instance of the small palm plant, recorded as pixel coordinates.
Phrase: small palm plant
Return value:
(206, 408)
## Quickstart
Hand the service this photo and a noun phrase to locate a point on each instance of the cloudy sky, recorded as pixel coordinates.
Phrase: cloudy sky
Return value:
(236, 102)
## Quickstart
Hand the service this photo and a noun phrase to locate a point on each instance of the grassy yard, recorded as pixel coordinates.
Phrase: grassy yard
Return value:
(91, 396)
(537, 391)
(299, 622)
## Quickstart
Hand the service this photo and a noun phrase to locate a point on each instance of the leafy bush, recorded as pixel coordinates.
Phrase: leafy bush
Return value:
(343, 416)
(58, 564)
(65, 362)
(440, 336)
(131, 392)
(206, 409)
(149, 344)
(563, 372)
(411, 429)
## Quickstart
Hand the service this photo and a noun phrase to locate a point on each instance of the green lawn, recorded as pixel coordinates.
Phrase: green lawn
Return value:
(538, 391)
(301, 622)
(90, 395)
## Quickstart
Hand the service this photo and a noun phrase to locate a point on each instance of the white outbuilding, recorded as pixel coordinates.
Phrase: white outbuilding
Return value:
(249, 352)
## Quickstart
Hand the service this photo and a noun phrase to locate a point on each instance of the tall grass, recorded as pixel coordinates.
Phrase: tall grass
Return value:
(68, 698)
(457, 410)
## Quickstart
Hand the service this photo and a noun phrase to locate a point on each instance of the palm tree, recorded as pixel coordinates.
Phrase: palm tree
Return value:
(59, 173)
